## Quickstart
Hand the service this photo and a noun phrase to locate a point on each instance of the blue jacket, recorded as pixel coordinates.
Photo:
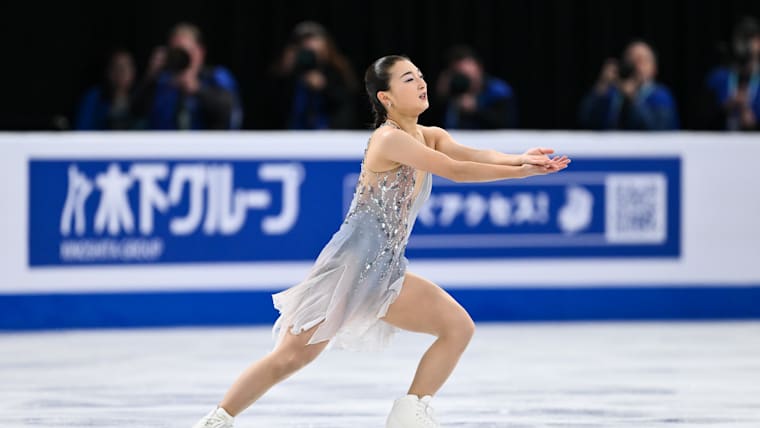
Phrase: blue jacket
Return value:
(96, 113)
(496, 108)
(652, 109)
(722, 83)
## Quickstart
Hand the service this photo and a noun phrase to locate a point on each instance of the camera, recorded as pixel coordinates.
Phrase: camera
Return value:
(626, 70)
(459, 84)
(306, 60)
(177, 60)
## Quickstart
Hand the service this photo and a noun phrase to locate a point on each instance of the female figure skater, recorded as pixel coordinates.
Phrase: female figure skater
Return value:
(359, 293)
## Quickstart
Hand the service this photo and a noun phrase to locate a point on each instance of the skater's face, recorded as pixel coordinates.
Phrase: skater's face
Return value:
(407, 93)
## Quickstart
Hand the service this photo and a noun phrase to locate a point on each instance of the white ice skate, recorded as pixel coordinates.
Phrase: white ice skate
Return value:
(217, 418)
(412, 412)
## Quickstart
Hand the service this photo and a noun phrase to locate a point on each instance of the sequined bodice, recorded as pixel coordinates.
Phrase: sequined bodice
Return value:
(391, 200)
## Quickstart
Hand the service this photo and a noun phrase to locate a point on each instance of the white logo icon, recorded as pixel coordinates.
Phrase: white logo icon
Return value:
(576, 214)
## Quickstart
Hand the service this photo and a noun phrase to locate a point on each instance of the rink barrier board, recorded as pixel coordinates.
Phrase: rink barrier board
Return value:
(109, 230)
(219, 308)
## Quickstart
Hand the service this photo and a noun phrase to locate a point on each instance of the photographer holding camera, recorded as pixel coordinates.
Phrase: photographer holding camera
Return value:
(733, 101)
(313, 83)
(468, 98)
(626, 95)
(180, 92)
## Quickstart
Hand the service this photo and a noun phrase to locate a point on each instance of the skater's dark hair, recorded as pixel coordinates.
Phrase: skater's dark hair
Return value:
(377, 78)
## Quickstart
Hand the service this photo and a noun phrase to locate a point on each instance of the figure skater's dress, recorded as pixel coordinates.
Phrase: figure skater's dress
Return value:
(360, 271)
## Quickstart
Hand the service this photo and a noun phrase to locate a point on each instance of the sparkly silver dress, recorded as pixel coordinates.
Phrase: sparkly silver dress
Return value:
(360, 271)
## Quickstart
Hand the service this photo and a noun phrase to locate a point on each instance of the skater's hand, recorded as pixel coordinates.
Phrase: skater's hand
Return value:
(559, 163)
(539, 151)
(533, 155)
(534, 160)
(536, 156)
(555, 164)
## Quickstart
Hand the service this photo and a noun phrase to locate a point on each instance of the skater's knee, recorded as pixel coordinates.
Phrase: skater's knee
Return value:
(460, 330)
(286, 363)
(290, 360)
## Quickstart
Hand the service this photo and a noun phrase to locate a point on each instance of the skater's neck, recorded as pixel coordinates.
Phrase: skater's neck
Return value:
(407, 123)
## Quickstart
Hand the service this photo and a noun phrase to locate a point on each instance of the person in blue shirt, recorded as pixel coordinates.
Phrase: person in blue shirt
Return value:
(181, 92)
(108, 106)
(627, 96)
(469, 98)
(734, 89)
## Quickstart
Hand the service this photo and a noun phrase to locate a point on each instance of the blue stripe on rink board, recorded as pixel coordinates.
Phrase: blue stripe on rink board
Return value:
(202, 308)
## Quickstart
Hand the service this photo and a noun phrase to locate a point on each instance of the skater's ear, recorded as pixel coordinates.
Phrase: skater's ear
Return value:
(383, 97)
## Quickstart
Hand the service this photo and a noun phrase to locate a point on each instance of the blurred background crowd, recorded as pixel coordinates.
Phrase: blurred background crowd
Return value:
(633, 65)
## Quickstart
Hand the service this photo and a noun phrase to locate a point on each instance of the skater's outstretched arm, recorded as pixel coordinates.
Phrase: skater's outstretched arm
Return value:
(399, 147)
(445, 143)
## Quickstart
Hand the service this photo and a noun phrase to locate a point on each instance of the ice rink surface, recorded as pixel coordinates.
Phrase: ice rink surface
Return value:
(698, 374)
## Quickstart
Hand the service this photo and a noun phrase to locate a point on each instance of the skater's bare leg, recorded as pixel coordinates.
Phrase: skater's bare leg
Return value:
(290, 355)
(424, 307)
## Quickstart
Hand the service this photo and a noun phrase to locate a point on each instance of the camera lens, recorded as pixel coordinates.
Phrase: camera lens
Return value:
(177, 60)
(626, 70)
(459, 84)
(306, 60)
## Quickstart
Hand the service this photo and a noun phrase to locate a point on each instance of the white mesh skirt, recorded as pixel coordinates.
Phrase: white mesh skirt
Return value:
(343, 292)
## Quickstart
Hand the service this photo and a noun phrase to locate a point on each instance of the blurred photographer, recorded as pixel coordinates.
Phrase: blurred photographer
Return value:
(314, 84)
(733, 101)
(626, 95)
(181, 92)
(108, 106)
(468, 98)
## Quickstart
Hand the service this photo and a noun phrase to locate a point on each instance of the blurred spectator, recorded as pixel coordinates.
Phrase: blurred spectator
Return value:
(108, 106)
(181, 92)
(314, 84)
(733, 102)
(626, 96)
(469, 98)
